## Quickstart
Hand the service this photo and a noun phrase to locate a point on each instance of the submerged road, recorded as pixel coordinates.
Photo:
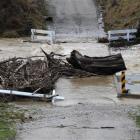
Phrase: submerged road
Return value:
(73, 19)
(90, 111)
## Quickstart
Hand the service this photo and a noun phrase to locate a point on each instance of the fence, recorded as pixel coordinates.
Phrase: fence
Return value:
(43, 35)
(122, 34)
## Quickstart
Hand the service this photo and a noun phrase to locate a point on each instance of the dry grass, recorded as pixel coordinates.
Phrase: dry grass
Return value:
(120, 14)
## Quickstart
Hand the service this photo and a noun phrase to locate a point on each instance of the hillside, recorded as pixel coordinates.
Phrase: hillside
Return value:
(18, 16)
(121, 13)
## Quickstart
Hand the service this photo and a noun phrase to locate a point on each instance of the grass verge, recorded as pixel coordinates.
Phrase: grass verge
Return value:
(9, 116)
(19, 16)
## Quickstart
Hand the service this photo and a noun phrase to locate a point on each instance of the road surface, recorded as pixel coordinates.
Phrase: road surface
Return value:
(74, 19)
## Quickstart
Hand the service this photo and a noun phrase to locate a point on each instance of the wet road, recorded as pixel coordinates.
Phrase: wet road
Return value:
(74, 19)
(81, 122)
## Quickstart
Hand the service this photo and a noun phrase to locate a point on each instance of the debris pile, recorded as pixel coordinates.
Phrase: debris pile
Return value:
(38, 74)
(35, 74)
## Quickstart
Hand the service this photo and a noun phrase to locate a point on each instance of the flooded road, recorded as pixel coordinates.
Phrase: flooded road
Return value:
(132, 59)
(96, 90)
(91, 109)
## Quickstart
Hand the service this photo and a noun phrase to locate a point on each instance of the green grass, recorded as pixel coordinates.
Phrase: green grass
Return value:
(19, 16)
(7, 130)
(9, 116)
(135, 115)
(137, 120)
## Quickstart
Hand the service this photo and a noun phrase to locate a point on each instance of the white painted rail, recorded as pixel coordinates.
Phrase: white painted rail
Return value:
(43, 35)
(127, 34)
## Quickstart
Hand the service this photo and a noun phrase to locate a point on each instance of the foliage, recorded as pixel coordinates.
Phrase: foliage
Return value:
(120, 14)
(21, 15)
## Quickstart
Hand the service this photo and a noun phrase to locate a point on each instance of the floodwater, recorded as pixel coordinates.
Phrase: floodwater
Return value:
(132, 59)
(94, 90)
(91, 109)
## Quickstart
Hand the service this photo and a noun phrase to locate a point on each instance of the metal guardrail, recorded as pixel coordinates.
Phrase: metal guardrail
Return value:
(127, 34)
(43, 35)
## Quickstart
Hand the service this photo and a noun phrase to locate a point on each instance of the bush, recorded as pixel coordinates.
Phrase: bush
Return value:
(20, 16)
(10, 34)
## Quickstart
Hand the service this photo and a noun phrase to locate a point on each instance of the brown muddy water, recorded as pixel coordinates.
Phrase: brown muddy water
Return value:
(91, 109)
(86, 90)
(132, 59)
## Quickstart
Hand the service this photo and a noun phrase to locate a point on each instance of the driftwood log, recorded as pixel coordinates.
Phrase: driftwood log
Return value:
(108, 65)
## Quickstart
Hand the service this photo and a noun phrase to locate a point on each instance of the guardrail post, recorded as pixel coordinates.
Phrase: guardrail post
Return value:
(43, 35)
(128, 35)
(109, 35)
(123, 83)
(32, 34)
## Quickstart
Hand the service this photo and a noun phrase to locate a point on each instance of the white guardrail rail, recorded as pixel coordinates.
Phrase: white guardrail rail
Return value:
(127, 34)
(43, 35)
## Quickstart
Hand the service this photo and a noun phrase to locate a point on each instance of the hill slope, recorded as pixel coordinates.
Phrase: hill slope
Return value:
(18, 16)
(121, 13)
